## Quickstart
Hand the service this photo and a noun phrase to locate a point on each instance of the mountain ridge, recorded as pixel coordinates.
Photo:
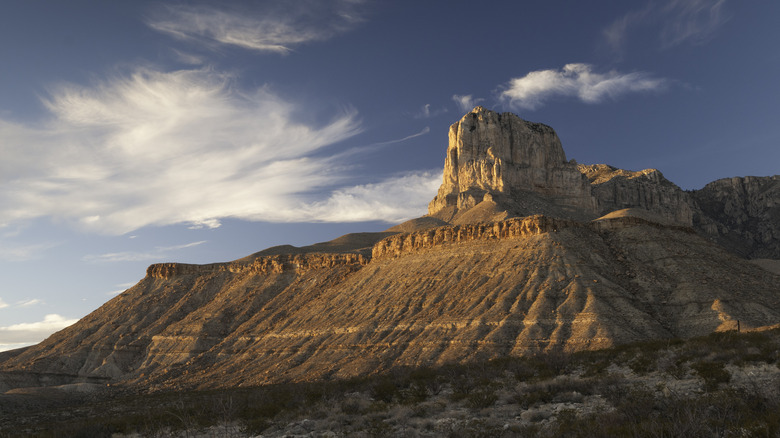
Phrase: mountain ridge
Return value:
(520, 252)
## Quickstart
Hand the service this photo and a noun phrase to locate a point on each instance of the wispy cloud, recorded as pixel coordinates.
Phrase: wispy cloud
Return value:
(466, 102)
(579, 81)
(11, 252)
(121, 288)
(29, 303)
(3, 304)
(395, 199)
(28, 333)
(427, 112)
(422, 132)
(674, 22)
(157, 148)
(268, 27)
(157, 253)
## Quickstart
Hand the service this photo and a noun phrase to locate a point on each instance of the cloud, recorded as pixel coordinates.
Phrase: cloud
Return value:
(3, 304)
(271, 27)
(158, 253)
(692, 21)
(426, 112)
(466, 102)
(576, 80)
(21, 253)
(32, 332)
(393, 200)
(422, 132)
(157, 148)
(122, 287)
(29, 303)
(674, 22)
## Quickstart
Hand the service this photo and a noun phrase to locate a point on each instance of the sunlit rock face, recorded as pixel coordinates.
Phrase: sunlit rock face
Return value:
(501, 156)
(615, 189)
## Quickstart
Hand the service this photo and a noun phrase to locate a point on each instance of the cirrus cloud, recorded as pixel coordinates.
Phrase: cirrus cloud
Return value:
(157, 148)
(269, 27)
(579, 81)
(675, 22)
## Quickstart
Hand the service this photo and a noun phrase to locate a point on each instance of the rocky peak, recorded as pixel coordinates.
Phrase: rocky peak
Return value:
(494, 156)
(742, 214)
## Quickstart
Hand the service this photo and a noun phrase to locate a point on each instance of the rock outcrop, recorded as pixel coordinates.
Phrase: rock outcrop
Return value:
(275, 264)
(501, 158)
(615, 189)
(742, 214)
(498, 166)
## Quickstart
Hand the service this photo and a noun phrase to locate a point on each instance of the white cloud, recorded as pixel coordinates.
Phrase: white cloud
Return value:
(426, 112)
(466, 102)
(3, 304)
(270, 27)
(157, 253)
(29, 303)
(158, 148)
(422, 132)
(675, 22)
(692, 21)
(393, 200)
(121, 288)
(33, 332)
(576, 80)
(6, 347)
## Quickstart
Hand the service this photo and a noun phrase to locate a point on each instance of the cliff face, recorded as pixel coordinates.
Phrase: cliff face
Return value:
(275, 264)
(742, 214)
(498, 166)
(616, 189)
(494, 156)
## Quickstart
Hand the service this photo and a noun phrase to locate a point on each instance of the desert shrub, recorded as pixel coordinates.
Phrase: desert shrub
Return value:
(384, 389)
(417, 392)
(352, 407)
(477, 428)
(483, 397)
(378, 427)
(713, 374)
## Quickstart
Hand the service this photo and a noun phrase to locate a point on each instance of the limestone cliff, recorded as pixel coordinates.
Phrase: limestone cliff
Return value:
(502, 158)
(615, 189)
(742, 214)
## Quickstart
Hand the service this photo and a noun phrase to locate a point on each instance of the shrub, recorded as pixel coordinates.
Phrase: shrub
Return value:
(713, 374)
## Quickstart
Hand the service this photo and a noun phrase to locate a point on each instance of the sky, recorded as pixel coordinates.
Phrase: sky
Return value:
(140, 132)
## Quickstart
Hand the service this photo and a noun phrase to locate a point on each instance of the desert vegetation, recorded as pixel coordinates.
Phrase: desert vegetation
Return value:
(725, 385)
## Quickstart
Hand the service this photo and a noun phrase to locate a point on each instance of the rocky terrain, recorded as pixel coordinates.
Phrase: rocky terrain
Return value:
(522, 253)
(723, 384)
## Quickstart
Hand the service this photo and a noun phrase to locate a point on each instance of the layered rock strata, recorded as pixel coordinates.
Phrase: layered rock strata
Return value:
(615, 189)
(275, 264)
(494, 156)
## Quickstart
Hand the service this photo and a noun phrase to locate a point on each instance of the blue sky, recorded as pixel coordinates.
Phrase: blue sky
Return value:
(139, 132)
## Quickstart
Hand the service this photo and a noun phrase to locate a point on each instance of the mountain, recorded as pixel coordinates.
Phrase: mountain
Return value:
(521, 251)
